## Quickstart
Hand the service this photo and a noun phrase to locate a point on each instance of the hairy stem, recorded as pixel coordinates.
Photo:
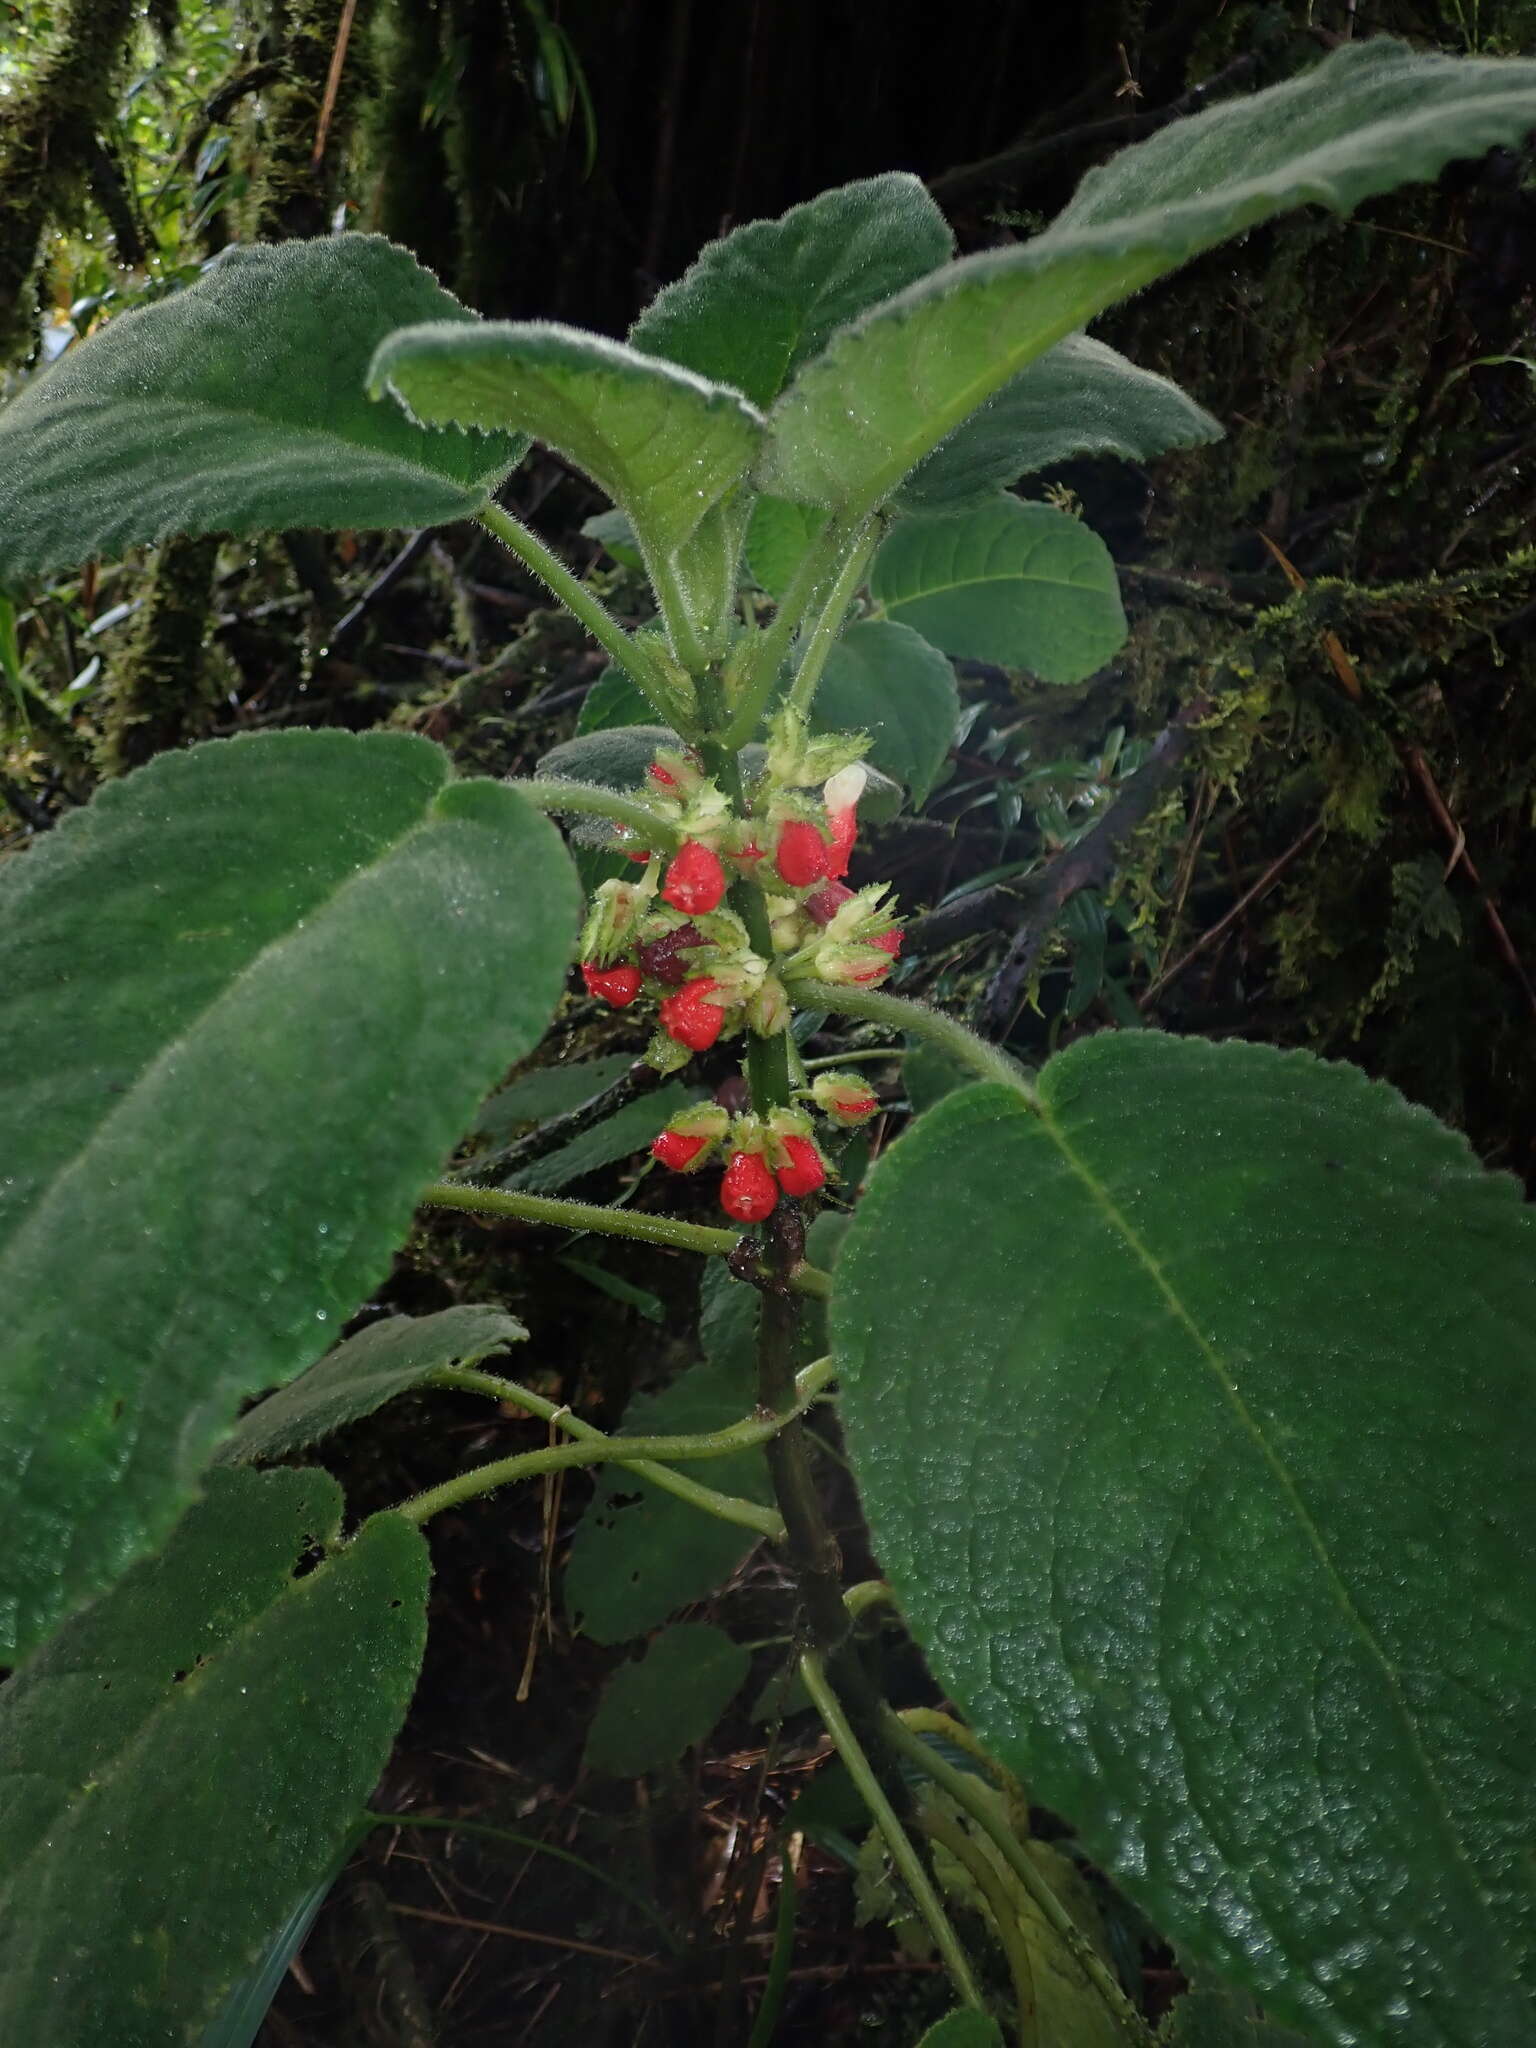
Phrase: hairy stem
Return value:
(576, 597)
(946, 1033)
(563, 1215)
(552, 793)
(824, 634)
(821, 561)
(902, 1851)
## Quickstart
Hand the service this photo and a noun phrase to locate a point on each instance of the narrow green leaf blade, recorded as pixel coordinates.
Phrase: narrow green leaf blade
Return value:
(548, 1091)
(628, 1131)
(246, 1016)
(1020, 584)
(364, 1372)
(766, 297)
(887, 680)
(237, 406)
(1080, 398)
(186, 1759)
(1220, 1518)
(888, 388)
(664, 444)
(654, 1709)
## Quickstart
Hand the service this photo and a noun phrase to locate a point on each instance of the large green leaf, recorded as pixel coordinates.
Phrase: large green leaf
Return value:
(654, 1709)
(886, 680)
(1080, 398)
(360, 1375)
(1020, 584)
(664, 444)
(777, 537)
(184, 1761)
(246, 1013)
(1195, 1417)
(888, 388)
(237, 406)
(765, 298)
(966, 2028)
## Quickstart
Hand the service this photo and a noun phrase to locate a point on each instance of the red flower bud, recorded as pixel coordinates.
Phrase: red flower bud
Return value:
(695, 881)
(690, 1018)
(883, 942)
(616, 985)
(847, 1098)
(747, 1190)
(801, 856)
(803, 1173)
(675, 1150)
(663, 778)
(828, 901)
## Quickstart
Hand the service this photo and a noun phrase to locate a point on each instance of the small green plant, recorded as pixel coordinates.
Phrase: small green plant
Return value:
(1188, 1386)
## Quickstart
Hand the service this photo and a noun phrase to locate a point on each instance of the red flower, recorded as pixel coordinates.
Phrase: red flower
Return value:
(828, 901)
(665, 959)
(747, 1190)
(804, 1173)
(845, 829)
(690, 1018)
(801, 855)
(616, 985)
(677, 1151)
(695, 880)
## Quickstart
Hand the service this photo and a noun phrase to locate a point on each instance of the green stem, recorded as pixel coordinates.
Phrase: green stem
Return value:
(594, 1446)
(563, 1215)
(552, 794)
(772, 2001)
(950, 1036)
(802, 691)
(820, 561)
(670, 602)
(967, 1793)
(903, 1853)
(576, 597)
(929, 1721)
(846, 1059)
(868, 1594)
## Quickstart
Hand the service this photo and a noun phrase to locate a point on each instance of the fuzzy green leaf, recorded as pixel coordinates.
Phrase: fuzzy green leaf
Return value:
(246, 1017)
(238, 406)
(765, 298)
(360, 1375)
(887, 389)
(886, 680)
(613, 700)
(966, 2028)
(653, 1710)
(664, 444)
(1080, 398)
(1020, 584)
(777, 537)
(1195, 1417)
(183, 1763)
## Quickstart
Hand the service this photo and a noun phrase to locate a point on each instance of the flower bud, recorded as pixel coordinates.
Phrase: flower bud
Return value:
(768, 1007)
(845, 1098)
(616, 910)
(691, 1017)
(681, 1154)
(695, 880)
(801, 853)
(665, 959)
(664, 1055)
(803, 1171)
(748, 1191)
(616, 985)
(691, 1136)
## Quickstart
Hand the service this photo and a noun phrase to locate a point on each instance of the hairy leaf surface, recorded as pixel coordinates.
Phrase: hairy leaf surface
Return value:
(1080, 398)
(184, 1761)
(238, 406)
(664, 444)
(889, 387)
(246, 1014)
(1195, 1415)
(1020, 584)
(360, 1375)
(763, 299)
